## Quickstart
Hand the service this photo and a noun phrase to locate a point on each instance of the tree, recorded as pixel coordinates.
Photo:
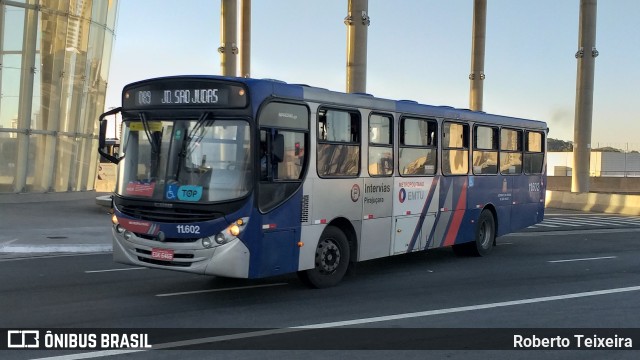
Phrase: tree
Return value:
(559, 145)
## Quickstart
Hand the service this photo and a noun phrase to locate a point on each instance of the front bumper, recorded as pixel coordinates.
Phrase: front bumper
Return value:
(228, 260)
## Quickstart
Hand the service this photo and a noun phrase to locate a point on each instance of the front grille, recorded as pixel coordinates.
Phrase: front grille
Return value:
(163, 263)
(168, 215)
(167, 240)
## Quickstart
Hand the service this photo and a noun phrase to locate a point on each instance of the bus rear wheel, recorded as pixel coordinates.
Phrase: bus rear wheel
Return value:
(485, 237)
(331, 260)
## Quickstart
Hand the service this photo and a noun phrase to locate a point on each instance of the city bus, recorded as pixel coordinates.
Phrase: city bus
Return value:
(251, 178)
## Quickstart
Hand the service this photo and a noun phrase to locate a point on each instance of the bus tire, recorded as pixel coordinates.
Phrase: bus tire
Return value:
(485, 237)
(331, 260)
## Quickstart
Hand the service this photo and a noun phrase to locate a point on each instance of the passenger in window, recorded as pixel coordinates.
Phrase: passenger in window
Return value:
(263, 160)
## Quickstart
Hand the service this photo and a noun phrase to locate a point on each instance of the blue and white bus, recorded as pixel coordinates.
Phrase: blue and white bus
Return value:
(251, 178)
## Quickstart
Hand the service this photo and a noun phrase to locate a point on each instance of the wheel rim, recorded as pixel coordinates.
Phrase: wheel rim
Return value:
(486, 233)
(327, 256)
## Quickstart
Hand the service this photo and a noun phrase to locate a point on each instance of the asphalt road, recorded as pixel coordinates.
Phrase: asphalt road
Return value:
(573, 277)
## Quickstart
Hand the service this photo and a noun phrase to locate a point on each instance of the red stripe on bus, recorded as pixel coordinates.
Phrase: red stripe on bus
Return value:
(457, 218)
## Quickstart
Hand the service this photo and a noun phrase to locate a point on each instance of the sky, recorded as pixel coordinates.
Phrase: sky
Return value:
(417, 49)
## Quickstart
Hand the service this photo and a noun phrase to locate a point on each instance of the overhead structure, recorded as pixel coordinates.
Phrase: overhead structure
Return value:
(229, 37)
(476, 77)
(357, 22)
(586, 56)
(245, 40)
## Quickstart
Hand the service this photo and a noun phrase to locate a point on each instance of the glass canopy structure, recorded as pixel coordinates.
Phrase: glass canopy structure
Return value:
(54, 66)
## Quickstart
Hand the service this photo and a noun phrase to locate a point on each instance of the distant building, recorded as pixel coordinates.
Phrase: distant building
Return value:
(602, 164)
(55, 58)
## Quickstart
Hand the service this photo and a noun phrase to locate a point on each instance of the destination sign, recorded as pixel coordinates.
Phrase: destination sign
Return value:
(165, 93)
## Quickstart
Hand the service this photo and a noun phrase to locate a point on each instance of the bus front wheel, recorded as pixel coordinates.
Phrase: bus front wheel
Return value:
(331, 260)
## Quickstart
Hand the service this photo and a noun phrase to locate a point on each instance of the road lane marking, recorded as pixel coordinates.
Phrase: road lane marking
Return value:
(39, 256)
(110, 270)
(547, 225)
(583, 214)
(559, 222)
(220, 290)
(583, 259)
(622, 221)
(369, 320)
(571, 232)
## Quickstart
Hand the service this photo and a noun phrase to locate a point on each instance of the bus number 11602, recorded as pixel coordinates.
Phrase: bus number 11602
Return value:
(188, 229)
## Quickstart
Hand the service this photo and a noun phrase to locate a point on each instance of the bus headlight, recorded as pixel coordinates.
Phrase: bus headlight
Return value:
(207, 242)
(232, 231)
(128, 235)
(116, 224)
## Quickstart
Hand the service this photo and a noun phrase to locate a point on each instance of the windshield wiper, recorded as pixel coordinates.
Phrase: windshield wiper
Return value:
(188, 141)
(155, 147)
(197, 133)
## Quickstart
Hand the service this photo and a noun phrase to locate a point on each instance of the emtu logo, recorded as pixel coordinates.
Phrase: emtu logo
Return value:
(20, 339)
(402, 195)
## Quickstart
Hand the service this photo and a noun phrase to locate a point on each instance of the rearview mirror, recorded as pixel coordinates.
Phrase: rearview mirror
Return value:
(102, 138)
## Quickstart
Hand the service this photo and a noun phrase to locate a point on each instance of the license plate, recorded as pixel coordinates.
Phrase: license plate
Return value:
(162, 254)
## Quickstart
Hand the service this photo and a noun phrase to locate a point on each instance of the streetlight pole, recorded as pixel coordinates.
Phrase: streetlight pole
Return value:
(229, 37)
(586, 56)
(357, 22)
(477, 54)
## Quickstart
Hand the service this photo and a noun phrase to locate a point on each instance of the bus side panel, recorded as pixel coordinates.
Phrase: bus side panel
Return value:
(278, 251)
(451, 222)
(329, 199)
(485, 189)
(377, 219)
(415, 204)
(528, 201)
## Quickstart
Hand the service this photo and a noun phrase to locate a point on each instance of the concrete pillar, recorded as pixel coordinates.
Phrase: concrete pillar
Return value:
(2, 11)
(245, 43)
(477, 54)
(229, 37)
(27, 75)
(357, 22)
(586, 56)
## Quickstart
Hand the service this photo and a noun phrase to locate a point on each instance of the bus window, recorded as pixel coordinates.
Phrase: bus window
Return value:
(485, 150)
(417, 147)
(338, 143)
(455, 149)
(534, 153)
(510, 151)
(380, 145)
(284, 134)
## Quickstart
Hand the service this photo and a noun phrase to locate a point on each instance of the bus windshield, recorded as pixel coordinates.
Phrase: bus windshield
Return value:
(185, 160)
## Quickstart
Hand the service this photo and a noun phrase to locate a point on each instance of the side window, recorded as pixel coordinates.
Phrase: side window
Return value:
(485, 150)
(380, 145)
(291, 165)
(510, 151)
(282, 156)
(534, 153)
(455, 149)
(418, 147)
(338, 143)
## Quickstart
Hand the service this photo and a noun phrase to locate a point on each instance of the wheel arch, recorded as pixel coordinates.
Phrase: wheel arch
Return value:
(350, 232)
(494, 213)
